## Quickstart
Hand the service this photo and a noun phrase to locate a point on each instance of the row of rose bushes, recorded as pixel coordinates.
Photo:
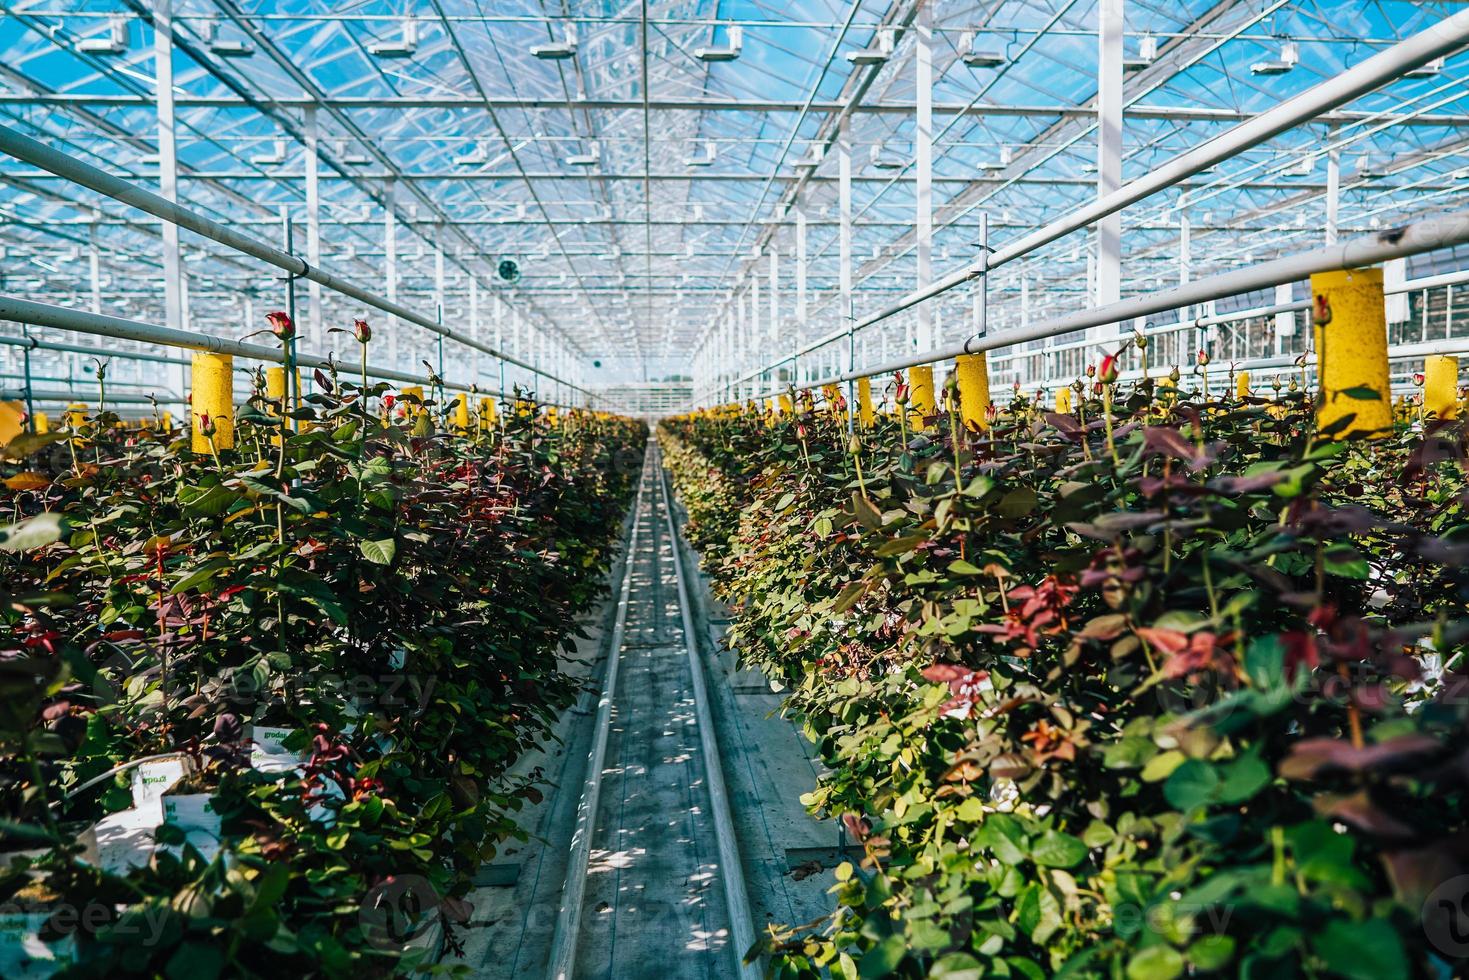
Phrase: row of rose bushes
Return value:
(390, 597)
(1156, 687)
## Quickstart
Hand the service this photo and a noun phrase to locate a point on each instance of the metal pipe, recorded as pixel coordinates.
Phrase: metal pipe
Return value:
(79, 349)
(38, 154)
(1442, 38)
(1234, 316)
(67, 397)
(1410, 239)
(102, 325)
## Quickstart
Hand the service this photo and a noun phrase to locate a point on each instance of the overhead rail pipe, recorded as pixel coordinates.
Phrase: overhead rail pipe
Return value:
(102, 325)
(1392, 243)
(1442, 39)
(69, 168)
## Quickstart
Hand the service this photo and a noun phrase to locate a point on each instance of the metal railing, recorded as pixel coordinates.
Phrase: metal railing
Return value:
(1443, 38)
(119, 189)
(1411, 239)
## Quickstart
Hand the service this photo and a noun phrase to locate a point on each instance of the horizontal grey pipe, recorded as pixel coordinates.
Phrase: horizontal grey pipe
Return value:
(1392, 243)
(1410, 286)
(1275, 362)
(102, 325)
(93, 351)
(1177, 113)
(1443, 38)
(68, 397)
(39, 154)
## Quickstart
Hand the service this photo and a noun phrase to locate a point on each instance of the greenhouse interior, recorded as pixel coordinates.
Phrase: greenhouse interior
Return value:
(840, 488)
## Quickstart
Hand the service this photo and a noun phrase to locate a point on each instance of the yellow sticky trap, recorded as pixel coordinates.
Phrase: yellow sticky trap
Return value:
(787, 406)
(1441, 386)
(43, 424)
(167, 421)
(1242, 385)
(920, 395)
(413, 394)
(974, 390)
(76, 415)
(461, 413)
(12, 421)
(1063, 401)
(486, 412)
(1351, 353)
(865, 413)
(214, 397)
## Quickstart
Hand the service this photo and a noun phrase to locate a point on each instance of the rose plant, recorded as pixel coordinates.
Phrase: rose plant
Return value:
(1165, 685)
(393, 593)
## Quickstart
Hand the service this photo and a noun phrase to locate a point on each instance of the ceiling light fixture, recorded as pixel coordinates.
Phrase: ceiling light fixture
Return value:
(1147, 53)
(557, 50)
(876, 55)
(115, 41)
(695, 160)
(404, 47)
(976, 57)
(588, 159)
(273, 159)
(882, 160)
(729, 52)
(1290, 56)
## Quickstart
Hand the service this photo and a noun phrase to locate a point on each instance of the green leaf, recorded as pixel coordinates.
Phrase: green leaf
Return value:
(1155, 963)
(1370, 950)
(962, 567)
(1057, 850)
(26, 443)
(786, 499)
(1097, 834)
(1038, 913)
(1211, 952)
(194, 961)
(1243, 778)
(957, 966)
(379, 552)
(33, 532)
(1192, 785)
(867, 514)
(882, 959)
(1362, 393)
(1161, 766)
(1018, 502)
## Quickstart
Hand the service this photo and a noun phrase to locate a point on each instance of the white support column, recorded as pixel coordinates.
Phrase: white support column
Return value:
(316, 326)
(168, 175)
(390, 248)
(753, 339)
(1185, 252)
(801, 307)
(94, 268)
(439, 281)
(1285, 323)
(1333, 188)
(774, 330)
(923, 171)
(1109, 150)
(844, 206)
(474, 322)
